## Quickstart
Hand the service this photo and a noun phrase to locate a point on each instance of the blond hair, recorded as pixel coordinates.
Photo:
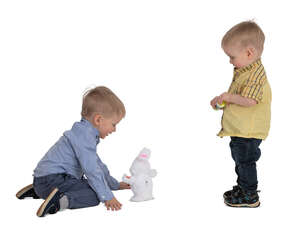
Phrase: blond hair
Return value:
(103, 101)
(245, 34)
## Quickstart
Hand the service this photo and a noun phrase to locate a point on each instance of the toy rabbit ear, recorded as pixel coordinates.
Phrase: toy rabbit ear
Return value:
(145, 154)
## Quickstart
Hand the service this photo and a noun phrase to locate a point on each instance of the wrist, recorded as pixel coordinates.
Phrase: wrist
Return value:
(229, 98)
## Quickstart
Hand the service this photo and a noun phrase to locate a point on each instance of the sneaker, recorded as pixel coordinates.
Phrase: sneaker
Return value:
(228, 194)
(27, 191)
(241, 198)
(50, 205)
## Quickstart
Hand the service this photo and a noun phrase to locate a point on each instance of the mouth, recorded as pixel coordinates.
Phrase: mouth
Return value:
(105, 135)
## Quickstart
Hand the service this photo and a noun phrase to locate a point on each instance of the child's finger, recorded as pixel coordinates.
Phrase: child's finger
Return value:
(115, 208)
(118, 206)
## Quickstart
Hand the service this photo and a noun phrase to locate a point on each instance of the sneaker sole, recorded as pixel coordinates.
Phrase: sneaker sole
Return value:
(23, 190)
(41, 210)
(254, 205)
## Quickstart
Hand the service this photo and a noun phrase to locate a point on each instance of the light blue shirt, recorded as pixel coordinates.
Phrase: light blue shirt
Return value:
(75, 153)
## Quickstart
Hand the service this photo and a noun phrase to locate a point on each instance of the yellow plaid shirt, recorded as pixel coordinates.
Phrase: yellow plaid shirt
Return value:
(248, 122)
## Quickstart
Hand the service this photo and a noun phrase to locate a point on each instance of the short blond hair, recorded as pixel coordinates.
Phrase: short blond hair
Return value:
(103, 101)
(245, 34)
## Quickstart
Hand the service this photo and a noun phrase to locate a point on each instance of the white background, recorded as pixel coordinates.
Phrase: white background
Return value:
(164, 60)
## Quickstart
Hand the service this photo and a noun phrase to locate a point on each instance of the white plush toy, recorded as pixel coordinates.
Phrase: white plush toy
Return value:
(141, 177)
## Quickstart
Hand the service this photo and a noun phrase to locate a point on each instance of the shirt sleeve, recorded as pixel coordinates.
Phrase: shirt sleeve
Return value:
(89, 161)
(112, 182)
(253, 87)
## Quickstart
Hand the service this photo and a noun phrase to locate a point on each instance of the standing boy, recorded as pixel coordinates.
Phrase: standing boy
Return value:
(247, 111)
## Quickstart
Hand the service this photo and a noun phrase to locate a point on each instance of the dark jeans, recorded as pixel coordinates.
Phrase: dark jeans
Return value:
(245, 152)
(78, 191)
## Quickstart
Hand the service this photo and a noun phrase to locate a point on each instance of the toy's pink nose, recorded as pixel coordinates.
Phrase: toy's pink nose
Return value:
(144, 156)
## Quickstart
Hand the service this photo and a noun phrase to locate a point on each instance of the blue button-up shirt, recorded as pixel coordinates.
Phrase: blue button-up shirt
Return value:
(75, 153)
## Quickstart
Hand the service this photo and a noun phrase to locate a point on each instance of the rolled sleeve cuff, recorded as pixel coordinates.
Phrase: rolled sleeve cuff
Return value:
(257, 98)
(105, 196)
(116, 186)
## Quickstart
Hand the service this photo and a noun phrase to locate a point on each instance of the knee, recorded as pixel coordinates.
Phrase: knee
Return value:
(250, 164)
(40, 192)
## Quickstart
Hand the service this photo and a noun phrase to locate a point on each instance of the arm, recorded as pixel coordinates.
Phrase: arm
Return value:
(112, 182)
(152, 173)
(250, 93)
(85, 151)
(236, 99)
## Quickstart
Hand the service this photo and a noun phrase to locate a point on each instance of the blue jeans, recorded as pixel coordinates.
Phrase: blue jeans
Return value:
(245, 153)
(78, 191)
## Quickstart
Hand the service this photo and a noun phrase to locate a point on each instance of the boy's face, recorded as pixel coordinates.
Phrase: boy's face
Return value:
(239, 57)
(106, 125)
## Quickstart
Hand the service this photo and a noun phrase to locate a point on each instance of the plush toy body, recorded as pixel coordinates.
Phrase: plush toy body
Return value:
(141, 177)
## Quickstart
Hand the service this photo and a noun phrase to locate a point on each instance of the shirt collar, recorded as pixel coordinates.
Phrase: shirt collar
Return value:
(91, 129)
(247, 68)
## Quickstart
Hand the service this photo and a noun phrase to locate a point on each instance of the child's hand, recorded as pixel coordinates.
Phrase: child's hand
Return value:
(225, 97)
(113, 204)
(124, 185)
(214, 102)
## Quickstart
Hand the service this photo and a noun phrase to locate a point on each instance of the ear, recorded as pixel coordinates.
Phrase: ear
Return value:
(145, 154)
(251, 52)
(97, 119)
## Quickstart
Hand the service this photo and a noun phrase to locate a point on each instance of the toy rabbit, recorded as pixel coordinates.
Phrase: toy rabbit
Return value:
(141, 177)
